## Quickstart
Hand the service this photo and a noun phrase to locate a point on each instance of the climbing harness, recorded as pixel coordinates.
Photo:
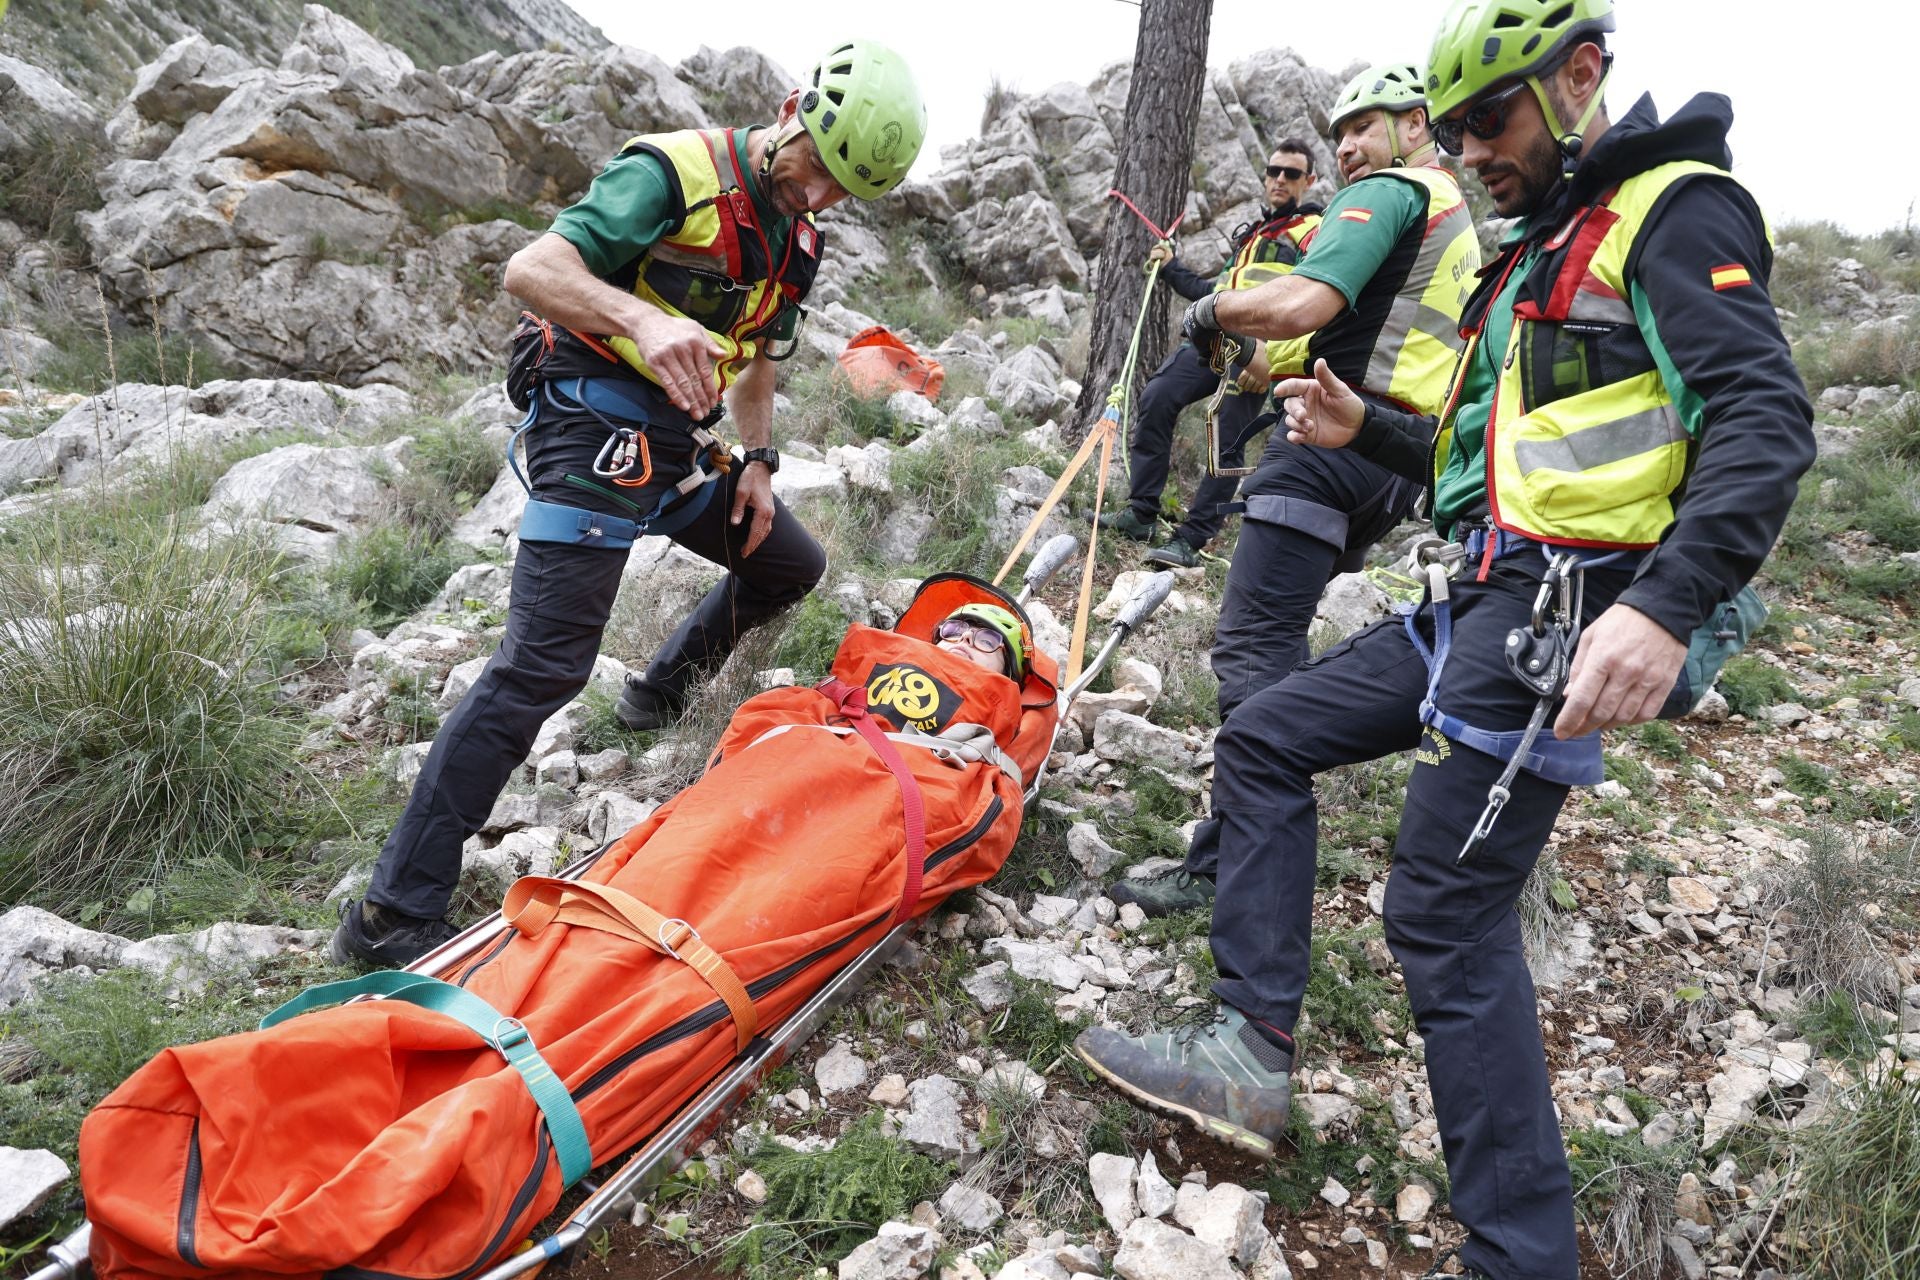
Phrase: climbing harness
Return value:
(1539, 655)
(625, 460)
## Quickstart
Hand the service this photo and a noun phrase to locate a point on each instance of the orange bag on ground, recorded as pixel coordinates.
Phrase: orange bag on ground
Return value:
(878, 364)
(380, 1139)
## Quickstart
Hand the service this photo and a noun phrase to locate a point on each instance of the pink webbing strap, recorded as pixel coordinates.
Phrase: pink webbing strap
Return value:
(1158, 234)
(851, 701)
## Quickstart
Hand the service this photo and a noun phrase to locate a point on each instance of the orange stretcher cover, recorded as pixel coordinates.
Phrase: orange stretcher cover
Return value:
(381, 1139)
(877, 363)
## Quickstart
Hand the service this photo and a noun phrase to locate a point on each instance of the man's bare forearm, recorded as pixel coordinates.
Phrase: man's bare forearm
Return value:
(1290, 307)
(750, 402)
(551, 278)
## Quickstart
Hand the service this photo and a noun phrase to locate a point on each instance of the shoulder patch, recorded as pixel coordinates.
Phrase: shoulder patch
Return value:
(807, 238)
(911, 697)
(1357, 215)
(1730, 276)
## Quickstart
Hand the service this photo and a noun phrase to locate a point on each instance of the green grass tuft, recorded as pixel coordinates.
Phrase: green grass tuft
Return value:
(1858, 1212)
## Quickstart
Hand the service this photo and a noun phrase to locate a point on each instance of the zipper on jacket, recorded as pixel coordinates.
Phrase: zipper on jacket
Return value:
(189, 1201)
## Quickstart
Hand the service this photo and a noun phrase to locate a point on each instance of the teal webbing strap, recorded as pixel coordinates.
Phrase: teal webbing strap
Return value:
(504, 1034)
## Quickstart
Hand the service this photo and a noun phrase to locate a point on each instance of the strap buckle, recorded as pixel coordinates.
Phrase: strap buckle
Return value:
(509, 1032)
(688, 934)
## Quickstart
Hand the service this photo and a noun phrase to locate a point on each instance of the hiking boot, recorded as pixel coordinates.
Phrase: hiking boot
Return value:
(1165, 895)
(1129, 523)
(645, 707)
(1226, 1077)
(1178, 553)
(385, 939)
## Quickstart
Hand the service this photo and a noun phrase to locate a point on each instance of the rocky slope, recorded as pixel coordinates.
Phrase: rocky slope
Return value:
(1724, 934)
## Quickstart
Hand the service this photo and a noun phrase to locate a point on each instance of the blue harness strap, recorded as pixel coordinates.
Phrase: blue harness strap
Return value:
(1576, 762)
(558, 522)
(505, 1035)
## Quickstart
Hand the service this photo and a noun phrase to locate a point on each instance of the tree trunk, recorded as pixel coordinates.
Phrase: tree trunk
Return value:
(1154, 167)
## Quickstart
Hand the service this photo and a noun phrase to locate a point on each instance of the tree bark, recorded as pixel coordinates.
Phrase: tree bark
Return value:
(1154, 167)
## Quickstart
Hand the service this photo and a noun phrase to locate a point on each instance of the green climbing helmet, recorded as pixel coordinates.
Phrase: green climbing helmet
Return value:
(1392, 86)
(1003, 621)
(1483, 42)
(863, 110)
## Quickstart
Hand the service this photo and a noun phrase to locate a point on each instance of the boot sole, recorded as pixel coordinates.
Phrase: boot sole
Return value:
(1213, 1126)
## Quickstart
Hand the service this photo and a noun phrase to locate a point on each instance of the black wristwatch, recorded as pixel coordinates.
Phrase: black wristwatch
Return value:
(769, 455)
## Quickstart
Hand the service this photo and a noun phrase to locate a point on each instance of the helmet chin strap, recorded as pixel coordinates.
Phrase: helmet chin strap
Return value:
(1422, 154)
(1571, 142)
(793, 129)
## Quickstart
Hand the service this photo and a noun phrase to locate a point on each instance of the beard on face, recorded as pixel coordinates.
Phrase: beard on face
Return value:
(1533, 177)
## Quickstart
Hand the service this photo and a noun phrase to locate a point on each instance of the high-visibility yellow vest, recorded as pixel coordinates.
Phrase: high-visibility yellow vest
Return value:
(1584, 445)
(1255, 264)
(717, 266)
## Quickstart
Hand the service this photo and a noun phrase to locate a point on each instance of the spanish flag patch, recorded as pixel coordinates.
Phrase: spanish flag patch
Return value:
(1731, 276)
(1357, 215)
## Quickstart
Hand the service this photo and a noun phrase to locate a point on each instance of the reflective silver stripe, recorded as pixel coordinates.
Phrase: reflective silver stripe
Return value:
(1599, 309)
(1602, 443)
(1408, 312)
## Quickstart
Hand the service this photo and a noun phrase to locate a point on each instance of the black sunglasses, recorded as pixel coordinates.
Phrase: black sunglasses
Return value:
(1286, 171)
(1485, 120)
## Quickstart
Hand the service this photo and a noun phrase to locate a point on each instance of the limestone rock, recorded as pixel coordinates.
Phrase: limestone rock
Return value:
(970, 1208)
(1154, 1250)
(28, 1180)
(1350, 602)
(990, 986)
(1092, 854)
(839, 1069)
(898, 1252)
(1230, 1219)
(1131, 739)
(35, 942)
(1113, 1180)
(1153, 1192)
(187, 962)
(1732, 1095)
(934, 1126)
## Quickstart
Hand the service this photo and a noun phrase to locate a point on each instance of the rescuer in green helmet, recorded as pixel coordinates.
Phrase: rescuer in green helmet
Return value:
(1617, 451)
(678, 278)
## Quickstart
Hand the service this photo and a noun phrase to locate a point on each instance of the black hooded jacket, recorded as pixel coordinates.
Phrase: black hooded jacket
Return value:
(1756, 438)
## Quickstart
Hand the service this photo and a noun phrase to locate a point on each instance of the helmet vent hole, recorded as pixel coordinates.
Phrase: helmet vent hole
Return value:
(841, 69)
(1558, 16)
(839, 97)
(1509, 20)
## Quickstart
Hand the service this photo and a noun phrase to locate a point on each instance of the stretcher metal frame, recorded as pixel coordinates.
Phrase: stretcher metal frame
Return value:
(675, 1143)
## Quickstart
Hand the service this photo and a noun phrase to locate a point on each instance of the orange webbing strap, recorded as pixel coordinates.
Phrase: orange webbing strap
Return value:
(1107, 428)
(1053, 498)
(850, 700)
(534, 902)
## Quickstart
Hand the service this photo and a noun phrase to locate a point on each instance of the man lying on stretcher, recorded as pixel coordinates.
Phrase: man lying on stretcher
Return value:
(398, 1136)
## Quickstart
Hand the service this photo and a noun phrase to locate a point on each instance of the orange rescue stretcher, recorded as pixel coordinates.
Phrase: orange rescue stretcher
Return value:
(637, 998)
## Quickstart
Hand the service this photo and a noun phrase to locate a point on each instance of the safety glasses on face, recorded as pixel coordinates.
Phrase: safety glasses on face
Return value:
(1286, 171)
(1485, 119)
(978, 634)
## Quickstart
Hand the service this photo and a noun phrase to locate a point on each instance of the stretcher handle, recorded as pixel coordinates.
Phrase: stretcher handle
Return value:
(1152, 594)
(1053, 556)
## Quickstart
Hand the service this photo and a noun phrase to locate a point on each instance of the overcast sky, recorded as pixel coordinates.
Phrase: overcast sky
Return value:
(1820, 107)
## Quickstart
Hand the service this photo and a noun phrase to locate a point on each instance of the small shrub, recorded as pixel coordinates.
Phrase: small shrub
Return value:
(810, 638)
(1804, 777)
(1750, 686)
(821, 1204)
(1821, 914)
(1661, 739)
(143, 728)
(1623, 1192)
(1632, 775)
(390, 571)
(1370, 1158)
(1858, 1211)
(458, 456)
(1030, 1027)
(1836, 1027)
(1152, 830)
(1344, 994)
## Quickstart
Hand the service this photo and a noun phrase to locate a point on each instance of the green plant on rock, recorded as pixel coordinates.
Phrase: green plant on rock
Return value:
(1031, 1028)
(821, 1204)
(1345, 997)
(1750, 686)
(390, 570)
(1824, 910)
(1837, 1027)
